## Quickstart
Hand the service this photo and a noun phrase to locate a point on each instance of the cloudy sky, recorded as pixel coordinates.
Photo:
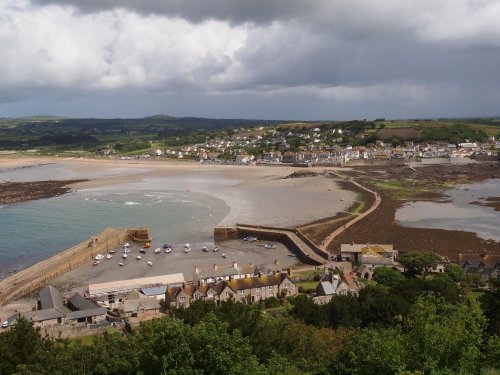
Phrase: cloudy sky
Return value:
(274, 59)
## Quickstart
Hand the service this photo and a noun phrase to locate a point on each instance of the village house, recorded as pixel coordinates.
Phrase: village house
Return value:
(488, 266)
(220, 272)
(51, 309)
(113, 294)
(331, 285)
(249, 288)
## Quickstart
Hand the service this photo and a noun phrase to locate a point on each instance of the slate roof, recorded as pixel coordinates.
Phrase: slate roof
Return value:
(41, 315)
(87, 313)
(81, 303)
(154, 291)
(50, 298)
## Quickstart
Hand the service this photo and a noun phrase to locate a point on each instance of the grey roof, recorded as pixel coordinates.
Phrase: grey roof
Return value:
(86, 313)
(50, 298)
(154, 291)
(327, 287)
(81, 303)
(147, 303)
(41, 315)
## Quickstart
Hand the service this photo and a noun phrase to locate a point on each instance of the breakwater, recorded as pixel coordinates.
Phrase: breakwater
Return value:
(40, 274)
(296, 242)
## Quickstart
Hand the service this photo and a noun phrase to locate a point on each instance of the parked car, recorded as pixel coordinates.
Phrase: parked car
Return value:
(5, 324)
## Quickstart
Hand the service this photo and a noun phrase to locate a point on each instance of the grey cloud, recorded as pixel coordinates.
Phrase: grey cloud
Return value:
(258, 11)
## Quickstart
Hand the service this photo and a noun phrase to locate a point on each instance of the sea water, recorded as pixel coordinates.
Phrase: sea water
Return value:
(458, 214)
(35, 230)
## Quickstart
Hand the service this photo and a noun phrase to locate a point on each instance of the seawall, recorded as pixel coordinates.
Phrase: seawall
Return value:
(296, 242)
(40, 274)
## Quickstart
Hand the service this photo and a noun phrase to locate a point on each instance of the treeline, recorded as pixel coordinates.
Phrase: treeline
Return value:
(400, 324)
(455, 134)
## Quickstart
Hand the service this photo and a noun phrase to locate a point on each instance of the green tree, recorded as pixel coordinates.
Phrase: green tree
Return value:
(218, 352)
(162, 346)
(416, 263)
(388, 276)
(455, 272)
(490, 304)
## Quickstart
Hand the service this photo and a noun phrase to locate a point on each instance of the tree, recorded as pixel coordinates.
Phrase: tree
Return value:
(490, 304)
(388, 276)
(418, 264)
(162, 346)
(455, 272)
(218, 352)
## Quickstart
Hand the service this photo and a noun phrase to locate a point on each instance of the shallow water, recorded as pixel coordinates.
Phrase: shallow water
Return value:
(459, 213)
(35, 230)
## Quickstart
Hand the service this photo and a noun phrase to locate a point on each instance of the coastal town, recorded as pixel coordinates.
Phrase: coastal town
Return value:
(310, 145)
(129, 301)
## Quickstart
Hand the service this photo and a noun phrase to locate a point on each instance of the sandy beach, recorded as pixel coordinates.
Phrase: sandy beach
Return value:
(254, 195)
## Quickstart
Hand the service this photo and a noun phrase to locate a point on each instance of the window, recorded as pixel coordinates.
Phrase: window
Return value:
(228, 294)
(196, 296)
(258, 289)
(242, 291)
(259, 297)
(271, 294)
(182, 299)
(270, 287)
(210, 295)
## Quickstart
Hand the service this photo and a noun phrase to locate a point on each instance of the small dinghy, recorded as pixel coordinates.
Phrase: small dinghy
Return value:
(138, 257)
(150, 263)
(157, 250)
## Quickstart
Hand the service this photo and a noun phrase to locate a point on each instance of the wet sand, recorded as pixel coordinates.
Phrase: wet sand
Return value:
(254, 194)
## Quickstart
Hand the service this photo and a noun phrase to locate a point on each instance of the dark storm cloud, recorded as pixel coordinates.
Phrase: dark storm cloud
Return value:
(324, 58)
(258, 11)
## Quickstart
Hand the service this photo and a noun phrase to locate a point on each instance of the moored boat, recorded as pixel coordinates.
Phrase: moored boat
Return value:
(168, 250)
(216, 248)
(157, 250)
(109, 256)
(138, 257)
(204, 249)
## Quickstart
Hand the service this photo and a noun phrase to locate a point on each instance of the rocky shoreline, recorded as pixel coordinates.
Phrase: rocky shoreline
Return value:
(381, 227)
(16, 192)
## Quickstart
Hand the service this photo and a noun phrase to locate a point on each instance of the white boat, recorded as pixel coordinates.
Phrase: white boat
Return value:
(204, 249)
(187, 248)
(168, 250)
(138, 257)
(291, 255)
(124, 256)
(216, 248)
(157, 250)
(126, 244)
(109, 256)
(126, 250)
(150, 263)
(95, 263)
(99, 257)
(224, 255)
(270, 246)
(112, 251)
(121, 264)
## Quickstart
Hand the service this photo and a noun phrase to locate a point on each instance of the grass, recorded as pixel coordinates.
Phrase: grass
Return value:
(472, 299)
(307, 284)
(310, 273)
